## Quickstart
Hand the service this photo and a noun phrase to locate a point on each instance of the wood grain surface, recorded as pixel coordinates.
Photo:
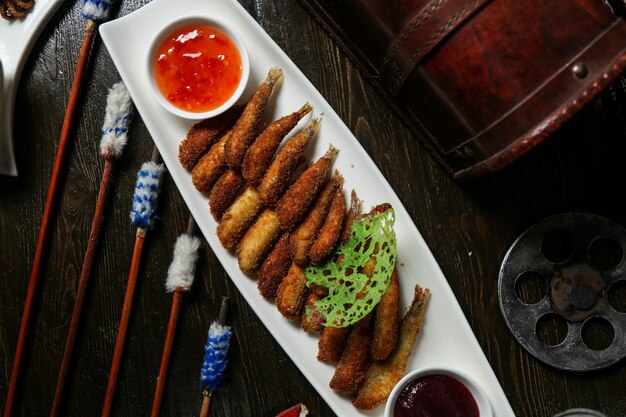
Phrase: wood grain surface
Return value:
(468, 227)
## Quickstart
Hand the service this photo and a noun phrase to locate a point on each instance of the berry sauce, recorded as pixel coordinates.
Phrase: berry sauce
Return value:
(435, 396)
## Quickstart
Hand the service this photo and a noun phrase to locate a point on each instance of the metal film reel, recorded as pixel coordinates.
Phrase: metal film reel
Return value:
(582, 258)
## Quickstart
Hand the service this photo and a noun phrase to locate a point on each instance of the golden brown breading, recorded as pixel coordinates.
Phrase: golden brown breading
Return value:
(356, 206)
(367, 270)
(238, 218)
(312, 320)
(274, 268)
(331, 229)
(294, 204)
(276, 178)
(15, 9)
(355, 358)
(247, 125)
(258, 241)
(260, 154)
(204, 134)
(386, 320)
(382, 376)
(331, 343)
(292, 293)
(320, 290)
(210, 167)
(225, 192)
(305, 234)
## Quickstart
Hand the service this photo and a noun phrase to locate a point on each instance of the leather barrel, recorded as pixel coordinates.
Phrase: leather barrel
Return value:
(480, 82)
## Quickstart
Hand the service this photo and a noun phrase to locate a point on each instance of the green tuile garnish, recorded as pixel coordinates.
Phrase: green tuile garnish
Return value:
(352, 295)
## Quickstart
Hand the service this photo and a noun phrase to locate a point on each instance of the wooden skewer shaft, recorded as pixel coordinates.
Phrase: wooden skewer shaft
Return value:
(169, 341)
(123, 326)
(51, 204)
(206, 404)
(167, 353)
(96, 224)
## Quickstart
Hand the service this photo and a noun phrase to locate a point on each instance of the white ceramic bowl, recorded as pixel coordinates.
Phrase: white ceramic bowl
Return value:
(181, 22)
(484, 407)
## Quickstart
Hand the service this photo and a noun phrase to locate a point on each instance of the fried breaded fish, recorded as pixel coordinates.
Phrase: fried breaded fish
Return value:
(355, 358)
(292, 293)
(306, 233)
(210, 166)
(225, 192)
(330, 231)
(331, 343)
(247, 126)
(204, 134)
(260, 154)
(276, 178)
(382, 376)
(274, 268)
(294, 204)
(239, 217)
(385, 334)
(312, 319)
(258, 241)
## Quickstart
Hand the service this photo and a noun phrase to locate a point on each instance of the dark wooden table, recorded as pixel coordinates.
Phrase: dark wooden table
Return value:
(468, 227)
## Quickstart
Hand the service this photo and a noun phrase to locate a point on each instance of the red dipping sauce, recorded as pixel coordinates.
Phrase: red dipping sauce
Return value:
(198, 68)
(436, 396)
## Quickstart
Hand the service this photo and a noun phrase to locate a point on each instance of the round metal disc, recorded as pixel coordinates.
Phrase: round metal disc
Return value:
(580, 412)
(564, 250)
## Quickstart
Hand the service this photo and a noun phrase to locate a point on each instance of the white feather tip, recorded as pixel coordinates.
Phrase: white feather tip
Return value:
(119, 114)
(97, 10)
(218, 330)
(182, 270)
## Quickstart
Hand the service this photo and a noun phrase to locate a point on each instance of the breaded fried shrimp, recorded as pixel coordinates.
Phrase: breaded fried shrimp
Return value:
(260, 154)
(238, 218)
(274, 268)
(331, 229)
(258, 241)
(305, 234)
(210, 166)
(204, 134)
(225, 192)
(247, 125)
(294, 204)
(276, 178)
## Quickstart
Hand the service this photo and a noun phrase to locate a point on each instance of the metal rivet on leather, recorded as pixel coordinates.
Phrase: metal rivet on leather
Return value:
(580, 70)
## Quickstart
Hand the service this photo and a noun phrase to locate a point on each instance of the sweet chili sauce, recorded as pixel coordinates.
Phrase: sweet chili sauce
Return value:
(197, 68)
(435, 396)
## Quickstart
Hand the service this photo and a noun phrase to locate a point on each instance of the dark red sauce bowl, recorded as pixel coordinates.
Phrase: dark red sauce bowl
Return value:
(437, 392)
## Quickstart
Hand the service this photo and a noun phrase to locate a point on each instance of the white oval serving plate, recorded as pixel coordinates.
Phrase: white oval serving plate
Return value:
(446, 338)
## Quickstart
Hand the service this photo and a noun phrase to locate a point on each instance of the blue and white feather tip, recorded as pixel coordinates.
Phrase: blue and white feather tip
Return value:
(97, 10)
(143, 211)
(215, 353)
(119, 113)
(183, 267)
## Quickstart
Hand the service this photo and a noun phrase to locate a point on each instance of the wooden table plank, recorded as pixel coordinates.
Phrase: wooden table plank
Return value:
(468, 227)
